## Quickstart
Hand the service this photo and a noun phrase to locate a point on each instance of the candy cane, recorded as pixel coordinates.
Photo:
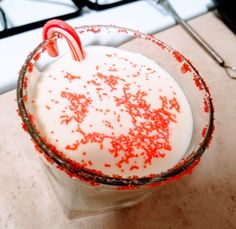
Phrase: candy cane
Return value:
(56, 26)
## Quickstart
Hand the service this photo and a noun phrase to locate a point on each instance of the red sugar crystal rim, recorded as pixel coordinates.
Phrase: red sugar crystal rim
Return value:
(74, 169)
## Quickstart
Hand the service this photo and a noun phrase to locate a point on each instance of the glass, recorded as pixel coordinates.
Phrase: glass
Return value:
(90, 193)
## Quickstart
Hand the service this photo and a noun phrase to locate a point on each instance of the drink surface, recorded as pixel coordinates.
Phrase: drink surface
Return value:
(115, 112)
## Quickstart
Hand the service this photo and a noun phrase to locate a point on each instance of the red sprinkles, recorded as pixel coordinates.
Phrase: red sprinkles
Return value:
(185, 68)
(71, 77)
(177, 56)
(198, 82)
(206, 106)
(148, 137)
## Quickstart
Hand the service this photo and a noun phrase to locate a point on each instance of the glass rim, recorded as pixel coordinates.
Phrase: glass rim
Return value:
(86, 175)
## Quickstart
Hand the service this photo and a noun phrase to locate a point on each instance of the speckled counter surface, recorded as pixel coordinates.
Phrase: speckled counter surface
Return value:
(204, 199)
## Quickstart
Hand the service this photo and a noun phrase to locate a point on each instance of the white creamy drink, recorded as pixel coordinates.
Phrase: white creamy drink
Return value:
(115, 112)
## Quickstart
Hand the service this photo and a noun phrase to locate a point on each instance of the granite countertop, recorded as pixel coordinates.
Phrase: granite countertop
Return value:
(204, 199)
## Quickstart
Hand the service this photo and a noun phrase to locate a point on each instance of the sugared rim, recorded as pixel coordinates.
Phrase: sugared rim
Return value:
(64, 164)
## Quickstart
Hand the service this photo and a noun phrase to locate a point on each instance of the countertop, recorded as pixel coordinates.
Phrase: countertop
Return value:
(204, 199)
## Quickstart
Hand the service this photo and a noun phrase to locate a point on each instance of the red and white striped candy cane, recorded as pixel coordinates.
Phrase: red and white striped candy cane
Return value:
(56, 26)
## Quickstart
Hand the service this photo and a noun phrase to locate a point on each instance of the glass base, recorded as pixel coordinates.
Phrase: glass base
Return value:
(79, 199)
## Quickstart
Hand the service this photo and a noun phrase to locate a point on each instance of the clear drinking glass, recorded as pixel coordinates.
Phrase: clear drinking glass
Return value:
(83, 192)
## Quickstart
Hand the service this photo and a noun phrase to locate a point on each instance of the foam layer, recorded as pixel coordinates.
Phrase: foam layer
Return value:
(116, 112)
